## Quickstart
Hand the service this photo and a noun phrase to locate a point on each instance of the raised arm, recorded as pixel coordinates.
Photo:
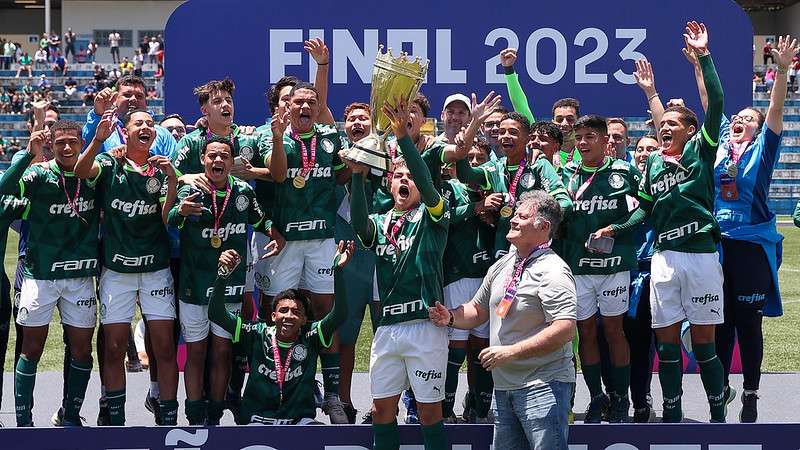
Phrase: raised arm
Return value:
(337, 315)
(698, 75)
(519, 101)
(9, 182)
(783, 53)
(319, 51)
(87, 167)
(480, 112)
(359, 215)
(647, 82)
(276, 158)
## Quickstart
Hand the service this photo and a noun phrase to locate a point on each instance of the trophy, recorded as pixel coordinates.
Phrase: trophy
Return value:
(392, 78)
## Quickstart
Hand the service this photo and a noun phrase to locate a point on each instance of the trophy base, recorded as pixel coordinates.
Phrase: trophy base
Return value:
(370, 151)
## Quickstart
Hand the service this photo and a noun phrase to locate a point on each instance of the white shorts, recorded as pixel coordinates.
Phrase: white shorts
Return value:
(686, 286)
(260, 272)
(249, 277)
(409, 354)
(119, 293)
(456, 294)
(304, 265)
(376, 294)
(195, 323)
(608, 293)
(75, 298)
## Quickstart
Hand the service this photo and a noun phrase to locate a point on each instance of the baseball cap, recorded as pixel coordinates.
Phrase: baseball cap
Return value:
(458, 98)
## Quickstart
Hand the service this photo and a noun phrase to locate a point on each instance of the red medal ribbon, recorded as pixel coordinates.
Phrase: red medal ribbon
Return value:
(583, 187)
(280, 367)
(151, 169)
(308, 161)
(513, 279)
(398, 225)
(218, 215)
(72, 202)
(512, 189)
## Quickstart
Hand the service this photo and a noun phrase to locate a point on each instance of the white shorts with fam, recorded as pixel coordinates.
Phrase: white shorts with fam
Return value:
(409, 354)
(195, 323)
(686, 286)
(606, 293)
(119, 293)
(75, 298)
(456, 294)
(305, 265)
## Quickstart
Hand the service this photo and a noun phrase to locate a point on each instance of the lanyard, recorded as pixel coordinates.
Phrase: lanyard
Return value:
(151, 169)
(218, 214)
(583, 187)
(512, 280)
(398, 225)
(308, 160)
(280, 367)
(512, 189)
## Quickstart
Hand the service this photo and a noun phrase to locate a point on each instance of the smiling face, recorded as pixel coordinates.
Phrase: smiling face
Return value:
(175, 127)
(66, 146)
(644, 147)
(744, 126)
(617, 137)
(565, 117)
(512, 139)
(217, 161)
(455, 116)
(674, 132)
(219, 109)
(592, 145)
(526, 229)
(357, 124)
(289, 318)
(491, 127)
(131, 97)
(404, 190)
(140, 131)
(544, 143)
(303, 110)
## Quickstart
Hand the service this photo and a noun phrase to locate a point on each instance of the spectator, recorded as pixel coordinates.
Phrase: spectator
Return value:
(91, 51)
(25, 64)
(794, 70)
(138, 63)
(69, 44)
(3, 146)
(126, 67)
(768, 53)
(769, 79)
(113, 75)
(153, 49)
(44, 84)
(9, 52)
(113, 43)
(160, 40)
(159, 76)
(70, 87)
(89, 92)
(44, 45)
(12, 147)
(27, 89)
(5, 100)
(99, 76)
(144, 46)
(2, 53)
(54, 42)
(59, 65)
(151, 93)
(40, 59)
(17, 102)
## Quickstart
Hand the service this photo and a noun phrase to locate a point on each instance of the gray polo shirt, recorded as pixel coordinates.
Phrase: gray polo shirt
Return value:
(546, 292)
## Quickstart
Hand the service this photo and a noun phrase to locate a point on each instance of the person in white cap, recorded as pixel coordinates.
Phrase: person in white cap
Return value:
(456, 113)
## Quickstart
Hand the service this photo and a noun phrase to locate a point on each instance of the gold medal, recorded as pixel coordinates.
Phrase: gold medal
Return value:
(506, 211)
(216, 242)
(299, 182)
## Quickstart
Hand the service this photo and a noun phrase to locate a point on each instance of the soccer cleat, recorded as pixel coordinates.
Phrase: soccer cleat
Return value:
(103, 417)
(151, 404)
(367, 418)
(332, 406)
(411, 407)
(467, 404)
(58, 418)
(618, 410)
(730, 395)
(643, 415)
(351, 412)
(134, 366)
(749, 412)
(594, 412)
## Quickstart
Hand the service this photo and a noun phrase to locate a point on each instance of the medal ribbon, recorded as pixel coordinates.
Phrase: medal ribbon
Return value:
(512, 280)
(398, 225)
(512, 189)
(218, 215)
(280, 367)
(121, 135)
(308, 161)
(151, 169)
(72, 202)
(735, 152)
(583, 187)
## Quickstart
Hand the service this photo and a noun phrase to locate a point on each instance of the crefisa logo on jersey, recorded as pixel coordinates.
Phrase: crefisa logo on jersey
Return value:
(616, 181)
(242, 203)
(596, 203)
(668, 181)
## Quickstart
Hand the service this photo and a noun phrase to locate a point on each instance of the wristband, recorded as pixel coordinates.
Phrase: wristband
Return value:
(652, 97)
(320, 64)
(783, 70)
(452, 318)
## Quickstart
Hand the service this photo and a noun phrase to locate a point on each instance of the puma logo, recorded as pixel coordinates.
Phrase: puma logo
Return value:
(715, 311)
(436, 388)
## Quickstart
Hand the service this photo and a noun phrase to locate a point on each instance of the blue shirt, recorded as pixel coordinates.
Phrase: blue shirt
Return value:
(164, 145)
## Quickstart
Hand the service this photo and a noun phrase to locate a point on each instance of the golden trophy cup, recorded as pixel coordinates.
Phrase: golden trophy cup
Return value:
(392, 77)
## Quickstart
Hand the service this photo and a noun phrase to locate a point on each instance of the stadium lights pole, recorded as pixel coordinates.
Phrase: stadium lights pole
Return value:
(47, 16)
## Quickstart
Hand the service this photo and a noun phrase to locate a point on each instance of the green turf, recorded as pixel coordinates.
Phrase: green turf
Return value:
(781, 335)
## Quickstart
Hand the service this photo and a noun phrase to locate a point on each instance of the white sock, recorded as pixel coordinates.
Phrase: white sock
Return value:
(748, 392)
(154, 390)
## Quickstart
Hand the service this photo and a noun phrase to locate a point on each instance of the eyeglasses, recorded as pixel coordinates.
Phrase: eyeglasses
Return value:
(178, 129)
(743, 119)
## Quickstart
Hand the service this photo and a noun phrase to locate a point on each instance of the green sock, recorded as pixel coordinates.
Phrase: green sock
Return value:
(591, 375)
(434, 436)
(386, 435)
(455, 358)
(713, 376)
(670, 372)
(116, 407)
(484, 387)
(77, 380)
(330, 372)
(195, 411)
(215, 410)
(24, 380)
(622, 380)
(169, 412)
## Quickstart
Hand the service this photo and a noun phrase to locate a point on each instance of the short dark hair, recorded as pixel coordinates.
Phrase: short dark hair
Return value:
(482, 144)
(687, 115)
(354, 106)
(172, 116)
(65, 125)
(647, 136)
(304, 85)
(500, 109)
(129, 80)
(127, 117)
(593, 122)
(423, 103)
(204, 92)
(274, 92)
(548, 129)
(760, 115)
(618, 120)
(519, 118)
(568, 102)
(219, 139)
(296, 295)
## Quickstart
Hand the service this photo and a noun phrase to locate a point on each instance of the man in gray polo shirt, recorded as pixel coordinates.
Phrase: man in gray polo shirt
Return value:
(528, 296)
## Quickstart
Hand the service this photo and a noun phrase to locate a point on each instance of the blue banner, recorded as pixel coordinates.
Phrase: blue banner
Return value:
(339, 437)
(584, 49)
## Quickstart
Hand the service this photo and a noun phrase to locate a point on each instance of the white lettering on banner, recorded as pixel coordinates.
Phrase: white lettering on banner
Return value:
(347, 51)
(75, 264)
(512, 41)
(133, 261)
(230, 291)
(307, 225)
(445, 74)
(194, 437)
(279, 58)
(581, 77)
(532, 62)
(681, 231)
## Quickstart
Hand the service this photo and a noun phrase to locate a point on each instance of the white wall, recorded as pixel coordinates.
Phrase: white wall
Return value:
(85, 16)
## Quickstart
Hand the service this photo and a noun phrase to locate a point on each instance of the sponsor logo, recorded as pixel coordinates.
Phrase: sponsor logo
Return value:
(715, 311)
(137, 208)
(437, 389)
(230, 291)
(242, 203)
(88, 302)
(527, 180)
(429, 375)
(65, 209)
(620, 290)
(327, 145)
(316, 172)
(22, 314)
(307, 225)
(133, 261)
(754, 298)
(667, 182)
(681, 231)
(708, 298)
(102, 310)
(163, 292)
(616, 180)
(300, 353)
(500, 253)
(262, 281)
(224, 232)
(480, 256)
(390, 250)
(152, 185)
(416, 216)
(246, 152)
(75, 264)
(596, 203)
(403, 308)
(273, 375)
(327, 271)
(599, 263)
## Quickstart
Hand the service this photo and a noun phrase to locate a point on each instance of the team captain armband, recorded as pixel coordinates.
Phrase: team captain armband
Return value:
(437, 211)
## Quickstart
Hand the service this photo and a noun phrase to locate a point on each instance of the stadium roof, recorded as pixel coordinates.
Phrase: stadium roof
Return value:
(39, 4)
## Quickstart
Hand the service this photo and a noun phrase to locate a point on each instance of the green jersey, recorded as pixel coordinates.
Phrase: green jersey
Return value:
(11, 209)
(600, 197)
(498, 177)
(433, 156)
(134, 235)
(198, 257)
(468, 253)
(265, 190)
(409, 270)
(188, 158)
(308, 211)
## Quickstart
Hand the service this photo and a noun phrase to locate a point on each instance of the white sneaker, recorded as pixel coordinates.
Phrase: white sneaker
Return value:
(333, 407)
